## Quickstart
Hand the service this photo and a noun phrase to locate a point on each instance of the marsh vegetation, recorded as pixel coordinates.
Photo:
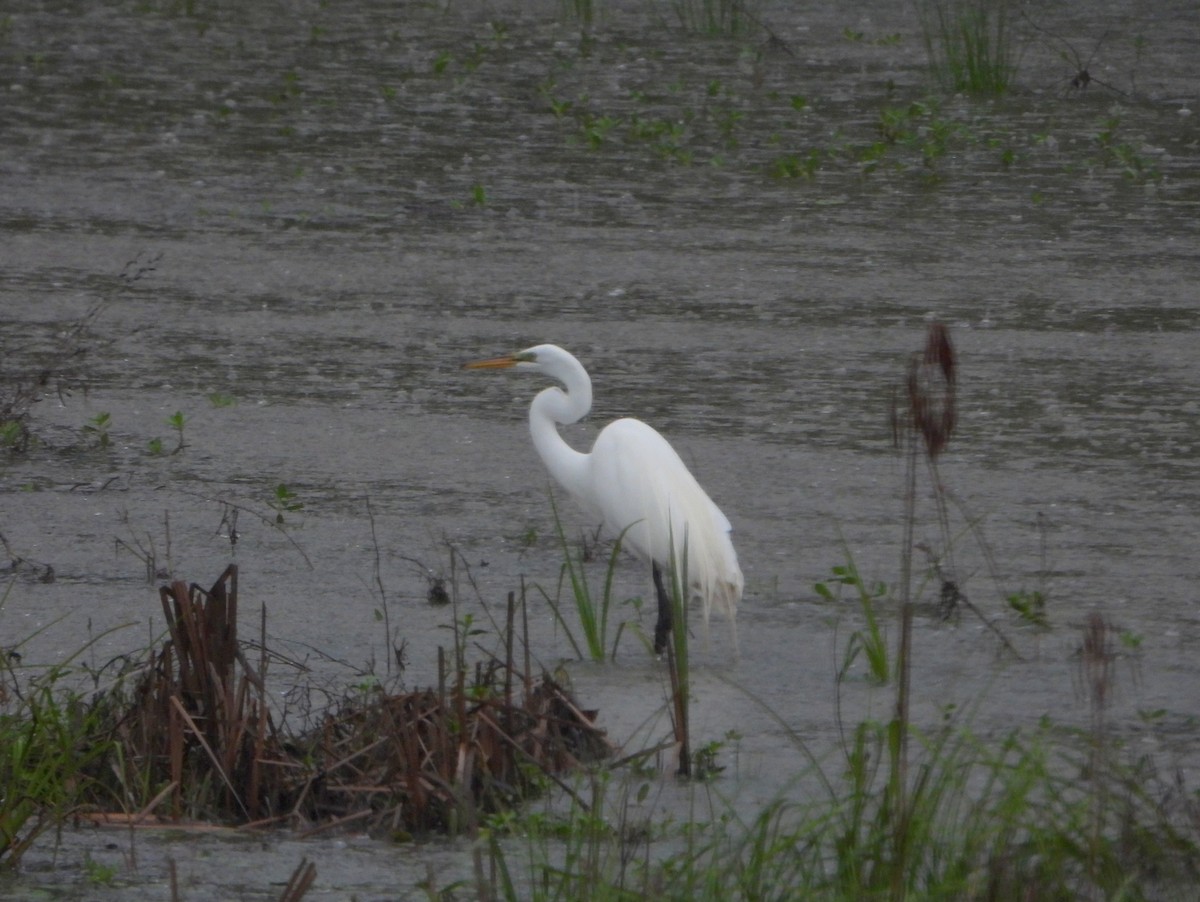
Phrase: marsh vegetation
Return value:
(246, 252)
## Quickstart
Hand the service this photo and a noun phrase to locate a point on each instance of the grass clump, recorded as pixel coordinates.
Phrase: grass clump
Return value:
(47, 740)
(725, 18)
(50, 739)
(970, 44)
(592, 613)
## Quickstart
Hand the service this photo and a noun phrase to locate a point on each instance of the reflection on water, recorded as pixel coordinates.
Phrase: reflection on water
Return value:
(331, 213)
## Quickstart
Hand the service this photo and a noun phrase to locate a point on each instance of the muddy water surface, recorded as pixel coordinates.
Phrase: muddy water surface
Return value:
(314, 219)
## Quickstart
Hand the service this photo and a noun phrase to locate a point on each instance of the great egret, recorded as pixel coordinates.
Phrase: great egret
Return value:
(636, 483)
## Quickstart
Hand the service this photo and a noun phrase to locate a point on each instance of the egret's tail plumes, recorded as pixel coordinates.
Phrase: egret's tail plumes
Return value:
(701, 536)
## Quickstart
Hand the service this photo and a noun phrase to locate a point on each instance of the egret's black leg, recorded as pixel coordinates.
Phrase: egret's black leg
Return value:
(662, 629)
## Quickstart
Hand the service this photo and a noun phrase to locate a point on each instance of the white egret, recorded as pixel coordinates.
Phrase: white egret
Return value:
(636, 483)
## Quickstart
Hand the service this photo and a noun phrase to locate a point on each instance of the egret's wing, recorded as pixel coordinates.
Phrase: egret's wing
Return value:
(642, 487)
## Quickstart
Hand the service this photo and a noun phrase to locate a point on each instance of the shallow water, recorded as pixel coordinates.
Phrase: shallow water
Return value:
(280, 210)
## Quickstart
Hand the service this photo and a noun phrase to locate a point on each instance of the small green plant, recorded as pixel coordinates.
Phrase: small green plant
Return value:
(12, 433)
(705, 760)
(284, 501)
(177, 421)
(560, 108)
(796, 166)
(220, 399)
(870, 641)
(596, 129)
(98, 874)
(479, 195)
(96, 429)
(1122, 154)
(1031, 606)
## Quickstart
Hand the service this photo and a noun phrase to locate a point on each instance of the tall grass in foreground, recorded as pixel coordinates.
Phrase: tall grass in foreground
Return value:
(1014, 816)
(970, 43)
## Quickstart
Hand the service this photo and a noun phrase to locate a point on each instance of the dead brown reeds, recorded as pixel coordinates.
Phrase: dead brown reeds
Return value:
(197, 730)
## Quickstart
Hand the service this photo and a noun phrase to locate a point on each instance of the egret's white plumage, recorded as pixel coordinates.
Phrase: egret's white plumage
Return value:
(633, 480)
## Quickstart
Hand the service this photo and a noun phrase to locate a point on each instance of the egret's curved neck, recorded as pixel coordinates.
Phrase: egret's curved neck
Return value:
(551, 407)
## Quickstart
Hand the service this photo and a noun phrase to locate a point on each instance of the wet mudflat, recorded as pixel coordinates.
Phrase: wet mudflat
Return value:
(292, 229)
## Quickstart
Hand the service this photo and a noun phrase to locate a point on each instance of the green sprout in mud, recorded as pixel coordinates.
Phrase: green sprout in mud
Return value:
(98, 874)
(560, 108)
(177, 421)
(1131, 640)
(796, 166)
(12, 433)
(1031, 606)
(284, 501)
(705, 766)
(1122, 154)
(97, 429)
(596, 129)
